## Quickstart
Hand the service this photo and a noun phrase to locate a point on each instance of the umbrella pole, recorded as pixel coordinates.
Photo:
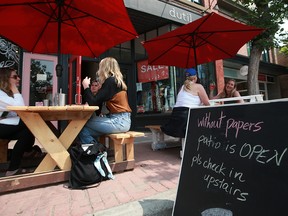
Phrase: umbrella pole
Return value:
(195, 56)
(59, 72)
(195, 59)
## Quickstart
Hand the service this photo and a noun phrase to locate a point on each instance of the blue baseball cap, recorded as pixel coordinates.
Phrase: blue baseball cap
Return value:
(190, 72)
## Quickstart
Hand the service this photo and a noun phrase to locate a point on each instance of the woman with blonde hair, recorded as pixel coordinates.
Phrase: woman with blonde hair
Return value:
(113, 92)
(191, 94)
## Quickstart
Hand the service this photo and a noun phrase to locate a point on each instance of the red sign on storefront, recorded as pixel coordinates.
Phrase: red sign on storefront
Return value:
(149, 73)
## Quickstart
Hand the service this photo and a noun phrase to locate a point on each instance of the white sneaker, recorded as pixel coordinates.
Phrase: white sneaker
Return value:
(85, 146)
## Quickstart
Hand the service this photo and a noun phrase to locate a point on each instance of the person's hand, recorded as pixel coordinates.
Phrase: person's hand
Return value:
(14, 88)
(86, 82)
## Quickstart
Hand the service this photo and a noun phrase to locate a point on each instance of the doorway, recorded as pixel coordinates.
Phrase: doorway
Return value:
(39, 77)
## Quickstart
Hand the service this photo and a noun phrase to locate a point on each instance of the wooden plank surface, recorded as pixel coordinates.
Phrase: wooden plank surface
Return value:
(54, 108)
(25, 181)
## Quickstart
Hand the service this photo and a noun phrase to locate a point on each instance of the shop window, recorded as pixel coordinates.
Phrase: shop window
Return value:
(206, 75)
(140, 52)
(121, 52)
(164, 29)
(155, 88)
(151, 34)
(139, 48)
(158, 86)
(265, 56)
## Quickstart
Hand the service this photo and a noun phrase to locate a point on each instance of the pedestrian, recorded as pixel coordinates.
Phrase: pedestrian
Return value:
(11, 126)
(114, 93)
(191, 94)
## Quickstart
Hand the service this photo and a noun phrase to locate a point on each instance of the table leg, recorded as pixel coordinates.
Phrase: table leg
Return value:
(48, 140)
(66, 138)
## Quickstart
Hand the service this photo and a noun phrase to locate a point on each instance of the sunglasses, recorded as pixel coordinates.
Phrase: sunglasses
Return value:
(14, 77)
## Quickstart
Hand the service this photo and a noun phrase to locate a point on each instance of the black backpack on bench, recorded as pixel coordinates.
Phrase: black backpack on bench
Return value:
(83, 172)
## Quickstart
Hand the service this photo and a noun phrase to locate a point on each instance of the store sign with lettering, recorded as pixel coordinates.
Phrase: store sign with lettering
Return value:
(149, 73)
(235, 161)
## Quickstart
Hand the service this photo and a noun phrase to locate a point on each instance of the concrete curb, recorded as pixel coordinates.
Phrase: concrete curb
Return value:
(160, 204)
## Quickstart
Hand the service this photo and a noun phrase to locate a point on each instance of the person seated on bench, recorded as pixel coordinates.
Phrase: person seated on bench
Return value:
(230, 90)
(114, 93)
(94, 87)
(191, 94)
(11, 127)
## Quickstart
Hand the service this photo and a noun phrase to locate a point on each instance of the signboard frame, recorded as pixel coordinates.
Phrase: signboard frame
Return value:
(235, 161)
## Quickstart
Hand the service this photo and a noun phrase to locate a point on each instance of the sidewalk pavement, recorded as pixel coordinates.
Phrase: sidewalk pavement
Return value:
(149, 189)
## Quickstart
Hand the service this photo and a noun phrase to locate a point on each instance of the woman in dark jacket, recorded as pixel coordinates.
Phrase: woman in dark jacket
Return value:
(114, 93)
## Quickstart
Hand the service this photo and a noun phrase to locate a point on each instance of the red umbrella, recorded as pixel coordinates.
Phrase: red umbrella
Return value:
(207, 39)
(79, 27)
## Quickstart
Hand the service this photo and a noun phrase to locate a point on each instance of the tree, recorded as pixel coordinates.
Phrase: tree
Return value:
(284, 48)
(267, 14)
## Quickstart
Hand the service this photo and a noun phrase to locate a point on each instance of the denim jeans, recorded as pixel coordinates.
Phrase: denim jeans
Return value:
(111, 123)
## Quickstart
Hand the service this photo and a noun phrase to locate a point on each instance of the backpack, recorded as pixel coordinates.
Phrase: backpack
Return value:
(89, 166)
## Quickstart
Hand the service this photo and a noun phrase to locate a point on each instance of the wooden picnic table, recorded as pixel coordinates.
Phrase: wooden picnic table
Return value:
(38, 120)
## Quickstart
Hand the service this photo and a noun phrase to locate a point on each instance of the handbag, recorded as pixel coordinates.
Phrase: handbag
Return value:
(84, 173)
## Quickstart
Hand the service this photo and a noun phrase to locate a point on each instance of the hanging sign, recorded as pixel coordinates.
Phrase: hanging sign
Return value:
(149, 73)
(235, 161)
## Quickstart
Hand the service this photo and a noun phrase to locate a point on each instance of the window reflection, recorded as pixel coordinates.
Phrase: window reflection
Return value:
(41, 81)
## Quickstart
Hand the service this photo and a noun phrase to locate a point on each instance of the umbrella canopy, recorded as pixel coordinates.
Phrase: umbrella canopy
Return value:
(209, 38)
(79, 27)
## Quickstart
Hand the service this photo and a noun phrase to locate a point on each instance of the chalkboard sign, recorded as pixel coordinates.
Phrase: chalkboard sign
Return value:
(235, 161)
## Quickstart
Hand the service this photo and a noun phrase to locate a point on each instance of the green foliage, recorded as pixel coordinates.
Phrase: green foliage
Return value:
(284, 47)
(284, 50)
(267, 14)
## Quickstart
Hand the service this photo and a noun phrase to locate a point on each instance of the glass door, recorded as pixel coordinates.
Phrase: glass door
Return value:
(39, 80)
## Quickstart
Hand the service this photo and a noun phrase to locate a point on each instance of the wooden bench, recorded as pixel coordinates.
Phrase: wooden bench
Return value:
(122, 145)
(158, 139)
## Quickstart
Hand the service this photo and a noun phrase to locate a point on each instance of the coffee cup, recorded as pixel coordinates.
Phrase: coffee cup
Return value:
(45, 102)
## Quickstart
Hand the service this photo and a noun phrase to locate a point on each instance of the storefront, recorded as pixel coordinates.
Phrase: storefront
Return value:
(152, 90)
(157, 86)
